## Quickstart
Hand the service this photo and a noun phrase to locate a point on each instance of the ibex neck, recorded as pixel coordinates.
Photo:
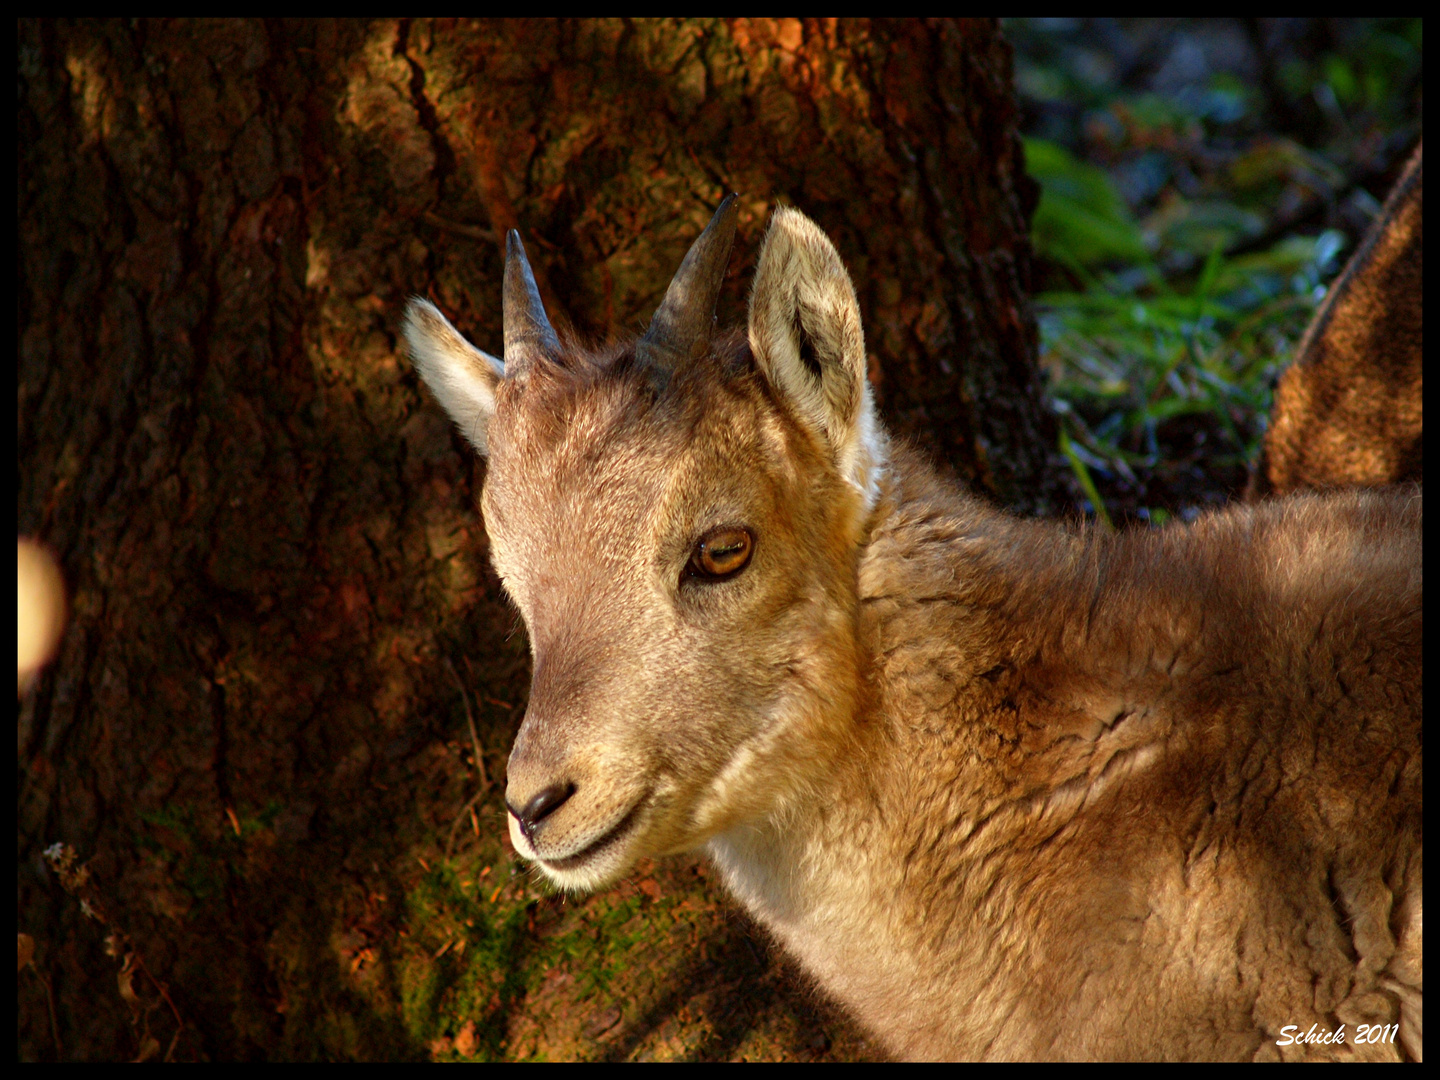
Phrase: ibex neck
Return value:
(827, 874)
(820, 849)
(807, 876)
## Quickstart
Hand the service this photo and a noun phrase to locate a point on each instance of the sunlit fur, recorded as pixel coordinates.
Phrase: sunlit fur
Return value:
(1349, 410)
(1006, 789)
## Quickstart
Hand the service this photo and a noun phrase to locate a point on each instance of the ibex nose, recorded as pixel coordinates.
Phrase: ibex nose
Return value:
(540, 806)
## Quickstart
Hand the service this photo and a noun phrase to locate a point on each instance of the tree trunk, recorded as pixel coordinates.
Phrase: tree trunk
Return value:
(255, 729)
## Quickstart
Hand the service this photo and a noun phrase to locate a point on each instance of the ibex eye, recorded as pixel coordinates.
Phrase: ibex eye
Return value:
(721, 553)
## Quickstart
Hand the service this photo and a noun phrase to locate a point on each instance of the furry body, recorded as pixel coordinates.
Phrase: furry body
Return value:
(1155, 795)
(1005, 789)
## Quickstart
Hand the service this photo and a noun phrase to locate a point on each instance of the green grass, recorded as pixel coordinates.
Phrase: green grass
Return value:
(1163, 334)
(1161, 350)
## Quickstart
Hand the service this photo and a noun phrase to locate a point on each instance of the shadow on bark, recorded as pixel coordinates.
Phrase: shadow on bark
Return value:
(269, 531)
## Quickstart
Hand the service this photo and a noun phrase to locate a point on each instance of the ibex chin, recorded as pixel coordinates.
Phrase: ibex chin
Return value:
(1005, 788)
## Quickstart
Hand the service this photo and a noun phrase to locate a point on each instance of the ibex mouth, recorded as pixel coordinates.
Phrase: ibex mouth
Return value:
(585, 854)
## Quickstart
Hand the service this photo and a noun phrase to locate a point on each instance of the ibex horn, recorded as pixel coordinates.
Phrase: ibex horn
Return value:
(528, 333)
(680, 330)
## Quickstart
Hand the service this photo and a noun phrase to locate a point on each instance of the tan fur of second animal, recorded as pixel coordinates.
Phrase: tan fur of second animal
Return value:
(1005, 789)
(1350, 410)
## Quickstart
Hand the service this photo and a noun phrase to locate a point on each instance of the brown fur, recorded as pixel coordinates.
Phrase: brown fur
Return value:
(1349, 410)
(1005, 789)
(1144, 796)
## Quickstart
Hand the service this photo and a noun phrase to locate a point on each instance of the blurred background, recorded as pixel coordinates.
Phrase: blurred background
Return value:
(1202, 182)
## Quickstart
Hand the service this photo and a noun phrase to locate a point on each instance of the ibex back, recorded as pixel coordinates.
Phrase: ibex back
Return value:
(1004, 788)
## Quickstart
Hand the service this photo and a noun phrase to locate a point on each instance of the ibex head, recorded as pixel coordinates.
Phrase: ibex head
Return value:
(678, 521)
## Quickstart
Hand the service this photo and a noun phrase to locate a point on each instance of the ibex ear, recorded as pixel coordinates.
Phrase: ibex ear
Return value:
(462, 378)
(806, 336)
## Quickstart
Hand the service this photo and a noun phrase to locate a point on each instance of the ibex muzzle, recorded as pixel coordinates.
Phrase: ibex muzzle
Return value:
(1006, 789)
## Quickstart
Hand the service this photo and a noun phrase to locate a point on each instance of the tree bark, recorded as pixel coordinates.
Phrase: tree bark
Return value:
(253, 729)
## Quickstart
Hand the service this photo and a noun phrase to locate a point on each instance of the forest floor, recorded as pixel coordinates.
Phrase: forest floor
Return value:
(661, 968)
(1203, 182)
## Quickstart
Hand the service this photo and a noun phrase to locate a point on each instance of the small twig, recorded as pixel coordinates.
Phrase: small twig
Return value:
(474, 232)
(179, 1023)
(75, 879)
(470, 719)
(464, 811)
(479, 760)
(510, 705)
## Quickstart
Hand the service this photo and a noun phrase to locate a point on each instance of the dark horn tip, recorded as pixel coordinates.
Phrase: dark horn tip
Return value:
(682, 325)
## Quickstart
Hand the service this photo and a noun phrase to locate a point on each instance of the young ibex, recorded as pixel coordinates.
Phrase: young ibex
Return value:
(1006, 789)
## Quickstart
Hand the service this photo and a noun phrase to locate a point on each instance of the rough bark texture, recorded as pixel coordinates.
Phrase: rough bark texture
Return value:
(254, 729)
